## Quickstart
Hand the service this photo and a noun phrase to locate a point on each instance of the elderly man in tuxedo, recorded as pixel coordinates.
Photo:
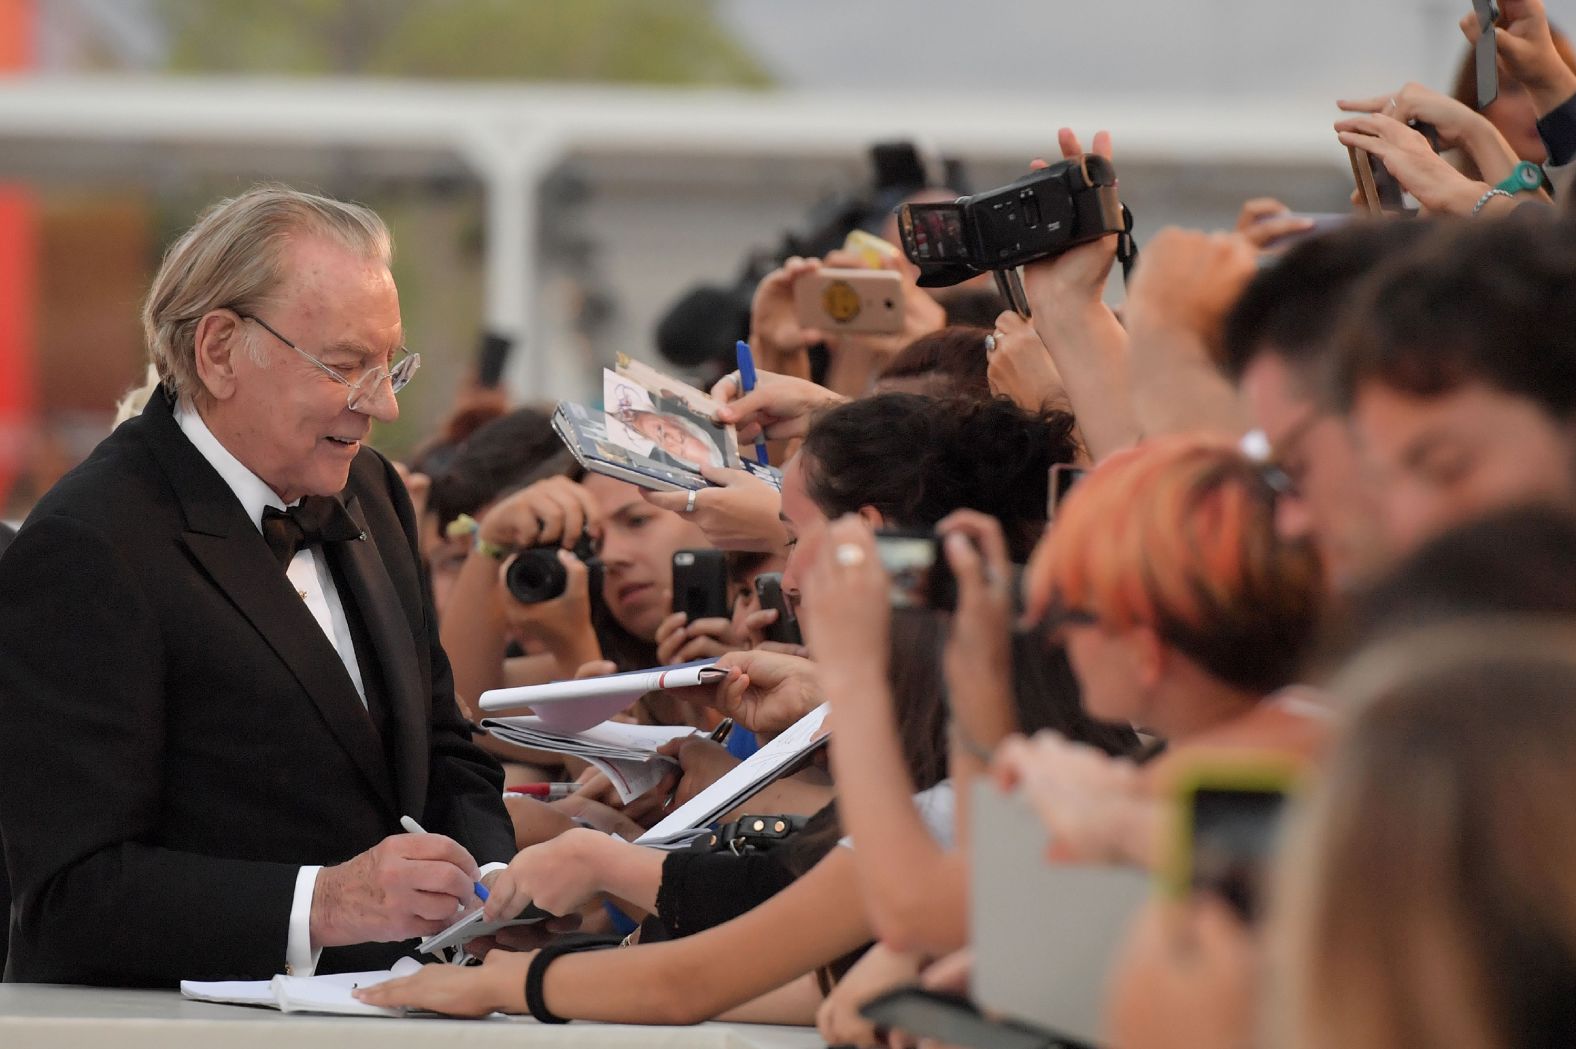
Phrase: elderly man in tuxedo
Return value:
(220, 680)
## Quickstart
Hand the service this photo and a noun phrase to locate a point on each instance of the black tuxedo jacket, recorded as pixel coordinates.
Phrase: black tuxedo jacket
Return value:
(178, 736)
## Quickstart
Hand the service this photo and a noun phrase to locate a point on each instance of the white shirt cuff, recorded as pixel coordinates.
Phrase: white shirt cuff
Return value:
(300, 958)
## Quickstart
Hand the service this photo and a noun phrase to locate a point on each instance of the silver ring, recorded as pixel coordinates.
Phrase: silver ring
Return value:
(1394, 104)
(849, 555)
(689, 503)
(990, 343)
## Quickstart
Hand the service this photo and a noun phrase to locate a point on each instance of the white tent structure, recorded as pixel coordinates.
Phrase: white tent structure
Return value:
(511, 137)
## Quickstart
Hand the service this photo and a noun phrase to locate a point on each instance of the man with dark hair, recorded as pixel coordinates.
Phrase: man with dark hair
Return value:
(1459, 372)
(1279, 349)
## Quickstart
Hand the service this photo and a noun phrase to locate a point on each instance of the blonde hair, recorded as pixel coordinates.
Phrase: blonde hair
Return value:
(231, 258)
(135, 399)
(1428, 893)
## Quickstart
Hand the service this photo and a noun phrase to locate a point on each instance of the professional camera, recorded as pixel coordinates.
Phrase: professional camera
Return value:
(536, 575)
(1042, 214)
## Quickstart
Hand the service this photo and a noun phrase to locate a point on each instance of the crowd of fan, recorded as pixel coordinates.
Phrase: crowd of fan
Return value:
(1329, 518)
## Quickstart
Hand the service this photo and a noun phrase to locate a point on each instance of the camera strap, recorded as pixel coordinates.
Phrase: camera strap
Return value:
(1126, 246)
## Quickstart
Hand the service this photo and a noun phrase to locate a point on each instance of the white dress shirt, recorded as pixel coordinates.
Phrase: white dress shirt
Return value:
(310, 576)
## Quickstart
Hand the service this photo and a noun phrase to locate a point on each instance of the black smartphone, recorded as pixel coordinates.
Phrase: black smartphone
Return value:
(1486, 55)
(951, 1020)
(921, 577)
(769, 592)
(1063, 477)
(700, 584)
(1229, 815)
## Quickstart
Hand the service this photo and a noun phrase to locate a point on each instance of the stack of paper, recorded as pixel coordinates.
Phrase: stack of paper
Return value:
(739, 784)
(303, 994)
(627, 754)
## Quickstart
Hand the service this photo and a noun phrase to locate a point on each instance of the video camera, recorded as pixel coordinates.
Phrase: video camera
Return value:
(1042, 214)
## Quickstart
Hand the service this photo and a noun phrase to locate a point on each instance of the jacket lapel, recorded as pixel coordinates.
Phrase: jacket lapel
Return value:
(382, 613)
(232, 552)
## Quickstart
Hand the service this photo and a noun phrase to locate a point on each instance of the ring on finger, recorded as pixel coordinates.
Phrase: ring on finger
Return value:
(689, 501)
(990, 343)
(849, 555)
(1394, 105)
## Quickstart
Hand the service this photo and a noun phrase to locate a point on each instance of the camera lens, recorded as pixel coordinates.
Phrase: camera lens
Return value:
(536, 576)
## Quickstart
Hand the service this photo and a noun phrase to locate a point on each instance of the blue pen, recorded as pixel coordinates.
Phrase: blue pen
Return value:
(413, 827)
(747, 380)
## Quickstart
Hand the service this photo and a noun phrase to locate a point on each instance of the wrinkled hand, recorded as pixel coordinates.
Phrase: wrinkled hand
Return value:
(1263, 221)
(739, 512)
(1188, 977)
(1526, 46)
(1020, 367)
(406, 885)
(495, 986)
(768, 691)
(553, 510)
(880, 970)
(558, 876)
(1187, 283)
(1095, 807)
(780, 407)
(846, 614)
(1438, 187)
(680, 641)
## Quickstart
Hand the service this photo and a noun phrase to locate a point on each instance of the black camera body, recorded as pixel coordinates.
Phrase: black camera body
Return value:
(1044, 213)
(536, 574)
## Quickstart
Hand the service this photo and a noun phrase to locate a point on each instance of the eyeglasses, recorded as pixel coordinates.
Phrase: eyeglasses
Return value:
(1270, 456)
(363, 386)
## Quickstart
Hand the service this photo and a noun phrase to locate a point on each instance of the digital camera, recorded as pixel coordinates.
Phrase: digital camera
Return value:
(1044, 213)
(536, 575)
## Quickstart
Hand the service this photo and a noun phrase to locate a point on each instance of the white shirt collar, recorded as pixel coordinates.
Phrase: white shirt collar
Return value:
(251, 490)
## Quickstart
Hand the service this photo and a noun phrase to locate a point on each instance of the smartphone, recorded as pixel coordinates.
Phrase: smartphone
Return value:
(951, 1020)
(1228, 820)
(1363, 175)
(871, 249)
(1388, 195)
(1486, 55)
(863, 301)
(1063, 477)
(769, 592)
(921, 577)
(700, 584)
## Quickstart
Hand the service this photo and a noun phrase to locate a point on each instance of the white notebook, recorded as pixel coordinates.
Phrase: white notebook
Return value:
(740, 783)
(303, 994)
(574, 706)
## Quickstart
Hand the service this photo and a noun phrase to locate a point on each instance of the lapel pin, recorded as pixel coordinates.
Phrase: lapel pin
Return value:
(362, 536)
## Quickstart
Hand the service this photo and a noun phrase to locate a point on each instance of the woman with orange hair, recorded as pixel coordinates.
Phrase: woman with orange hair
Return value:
(1179, 604)
(1184, 614)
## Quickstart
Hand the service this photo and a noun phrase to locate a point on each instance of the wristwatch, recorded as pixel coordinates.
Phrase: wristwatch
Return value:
(1525, 177)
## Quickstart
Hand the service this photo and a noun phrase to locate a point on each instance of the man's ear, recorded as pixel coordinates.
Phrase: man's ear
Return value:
(218, 341)
(872, 517)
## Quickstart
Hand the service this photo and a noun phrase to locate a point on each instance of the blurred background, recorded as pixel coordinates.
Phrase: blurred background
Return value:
(560, 176)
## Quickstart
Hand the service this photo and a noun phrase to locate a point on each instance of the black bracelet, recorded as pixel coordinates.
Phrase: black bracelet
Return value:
(538, 971)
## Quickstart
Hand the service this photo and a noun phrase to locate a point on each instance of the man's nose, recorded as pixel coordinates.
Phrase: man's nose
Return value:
(378, 401)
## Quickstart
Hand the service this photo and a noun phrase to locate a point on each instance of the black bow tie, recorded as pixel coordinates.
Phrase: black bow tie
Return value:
(316, 519)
